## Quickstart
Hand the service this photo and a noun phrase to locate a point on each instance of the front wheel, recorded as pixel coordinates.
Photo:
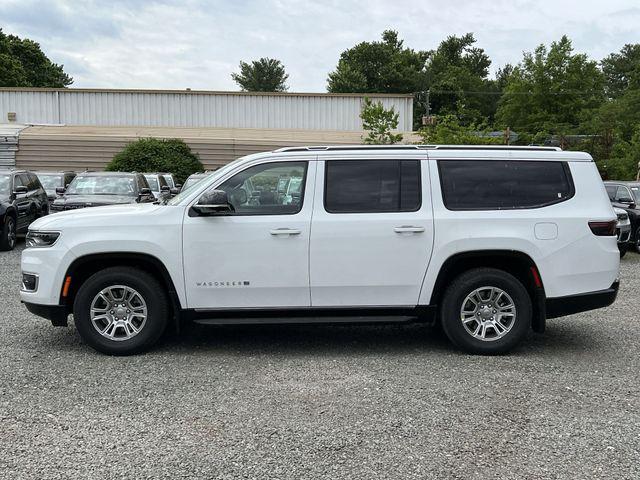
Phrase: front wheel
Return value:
(637, 241)
(486, 311)
(121, 311)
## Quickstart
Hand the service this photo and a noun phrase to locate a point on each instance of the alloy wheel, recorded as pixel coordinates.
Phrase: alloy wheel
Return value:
(488, 313)
(118, 312)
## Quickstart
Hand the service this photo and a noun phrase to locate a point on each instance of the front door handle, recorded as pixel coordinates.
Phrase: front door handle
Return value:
(408, 229)
(285, 231)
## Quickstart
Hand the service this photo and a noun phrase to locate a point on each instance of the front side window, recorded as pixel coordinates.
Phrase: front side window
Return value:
(152, 180)
(503, 184)
(623, 193)
(267, 189)
(372, 186)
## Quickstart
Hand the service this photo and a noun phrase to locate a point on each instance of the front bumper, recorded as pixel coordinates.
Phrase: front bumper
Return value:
(56, 313)
(561, 306)
(623, 233)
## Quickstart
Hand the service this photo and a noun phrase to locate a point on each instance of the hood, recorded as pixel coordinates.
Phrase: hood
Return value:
(94, 200)
(105, 215)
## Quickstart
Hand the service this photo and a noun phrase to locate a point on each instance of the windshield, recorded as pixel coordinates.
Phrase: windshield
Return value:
(153, 183)
(50, 181)
(102, 185)
(5, 185)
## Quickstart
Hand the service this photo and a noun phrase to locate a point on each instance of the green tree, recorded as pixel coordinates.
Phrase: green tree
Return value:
(379, 123)
(379, 67)
(448, 130)
(622, 70)
(23, 64)
(264, 75)
(549, 90)
(157, 155)
(457, 75)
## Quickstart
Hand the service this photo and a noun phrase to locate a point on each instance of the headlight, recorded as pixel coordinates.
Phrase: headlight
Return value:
(41, 239)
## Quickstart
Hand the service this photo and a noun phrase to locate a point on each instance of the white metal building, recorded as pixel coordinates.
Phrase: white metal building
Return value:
(186, 108)
(84, 128)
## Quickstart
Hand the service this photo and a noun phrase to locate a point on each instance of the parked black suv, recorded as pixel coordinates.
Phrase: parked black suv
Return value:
(626, 195)
(53, 180)
(93, 189)
(22, 200)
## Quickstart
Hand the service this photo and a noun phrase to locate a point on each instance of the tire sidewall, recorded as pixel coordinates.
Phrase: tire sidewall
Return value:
(5, 243)
(467, 283)
(150, 290)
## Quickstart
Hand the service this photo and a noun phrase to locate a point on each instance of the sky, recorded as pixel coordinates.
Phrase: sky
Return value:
(197, 44)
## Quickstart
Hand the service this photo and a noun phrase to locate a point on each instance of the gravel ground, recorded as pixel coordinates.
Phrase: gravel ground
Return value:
(322, 402)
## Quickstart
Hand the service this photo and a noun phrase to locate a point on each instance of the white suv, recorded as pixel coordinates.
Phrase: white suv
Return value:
(487, 241)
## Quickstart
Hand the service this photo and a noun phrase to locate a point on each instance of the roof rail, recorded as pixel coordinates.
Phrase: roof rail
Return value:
(415, 147)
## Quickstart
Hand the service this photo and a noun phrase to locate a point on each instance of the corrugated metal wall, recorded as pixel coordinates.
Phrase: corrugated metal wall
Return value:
(195, 109)
(80, 148)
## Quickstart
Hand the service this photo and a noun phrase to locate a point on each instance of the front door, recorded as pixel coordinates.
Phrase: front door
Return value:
(257, 257)
(372, 232)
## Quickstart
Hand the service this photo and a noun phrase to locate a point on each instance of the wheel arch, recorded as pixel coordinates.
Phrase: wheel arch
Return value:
(517, 263)
(85, 266)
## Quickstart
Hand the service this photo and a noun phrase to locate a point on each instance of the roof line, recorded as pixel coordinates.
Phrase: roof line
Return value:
(205, 92)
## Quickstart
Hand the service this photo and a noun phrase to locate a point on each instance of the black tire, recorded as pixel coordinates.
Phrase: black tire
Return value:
(466, 284)
(637, 241)
(8, 239)
(623, 250)
(151, 291)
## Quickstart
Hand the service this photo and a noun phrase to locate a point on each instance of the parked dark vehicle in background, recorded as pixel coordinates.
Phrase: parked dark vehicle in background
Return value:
(626, 195)
(172, 182)
(159, 186)
(94, 189)
(22, 200)
(52, 180)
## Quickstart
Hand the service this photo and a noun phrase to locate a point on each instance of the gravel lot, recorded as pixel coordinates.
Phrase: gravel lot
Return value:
(322, 402)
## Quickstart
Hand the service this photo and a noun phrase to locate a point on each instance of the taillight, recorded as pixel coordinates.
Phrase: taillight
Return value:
(603, 229)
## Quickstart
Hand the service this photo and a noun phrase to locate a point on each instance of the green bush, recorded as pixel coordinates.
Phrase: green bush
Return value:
(170, 155)
(379, 123)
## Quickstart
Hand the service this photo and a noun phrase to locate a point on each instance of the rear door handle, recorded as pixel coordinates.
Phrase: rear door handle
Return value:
(408, 229)
(285, 231)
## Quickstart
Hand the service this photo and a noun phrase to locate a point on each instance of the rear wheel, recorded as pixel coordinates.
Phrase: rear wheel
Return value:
(486, 311)
(637, 241)
(121, 311)
(8, 239)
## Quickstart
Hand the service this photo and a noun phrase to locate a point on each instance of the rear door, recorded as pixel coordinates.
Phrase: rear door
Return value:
(372, 232)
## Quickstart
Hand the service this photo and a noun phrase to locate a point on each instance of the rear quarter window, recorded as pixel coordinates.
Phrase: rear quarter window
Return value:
(503, 184)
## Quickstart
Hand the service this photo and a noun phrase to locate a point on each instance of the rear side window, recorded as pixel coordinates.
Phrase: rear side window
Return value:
(611, 191)
(370, 186)
(500, 184)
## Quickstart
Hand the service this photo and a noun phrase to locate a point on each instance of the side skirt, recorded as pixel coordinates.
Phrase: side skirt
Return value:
(311, 315)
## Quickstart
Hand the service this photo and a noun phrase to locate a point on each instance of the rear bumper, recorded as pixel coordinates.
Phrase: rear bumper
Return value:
(561, 306)
(56, 313)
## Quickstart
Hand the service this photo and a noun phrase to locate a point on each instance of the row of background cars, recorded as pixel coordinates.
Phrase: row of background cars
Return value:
(625, 198)
(26, 196)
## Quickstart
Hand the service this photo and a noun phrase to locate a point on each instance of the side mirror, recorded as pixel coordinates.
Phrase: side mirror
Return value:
(61, 190)
(145, 191)
(213, 202)
(625, 200)
(178, 186)
(20, 190)
(165, 188)
(175, 191)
